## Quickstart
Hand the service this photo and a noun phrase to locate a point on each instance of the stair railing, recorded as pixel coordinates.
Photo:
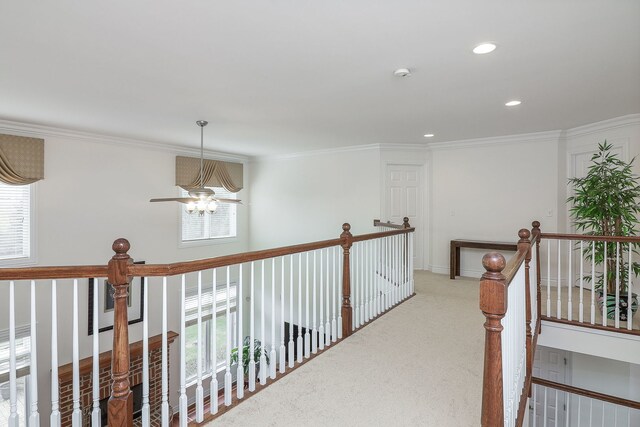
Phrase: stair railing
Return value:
(327, 289)
(509, 301)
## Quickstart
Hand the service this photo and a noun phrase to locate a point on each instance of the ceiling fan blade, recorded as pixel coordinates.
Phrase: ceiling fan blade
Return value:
(175, 199)
(227, 200)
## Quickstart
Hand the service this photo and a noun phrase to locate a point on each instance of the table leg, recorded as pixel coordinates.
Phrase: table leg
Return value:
(452, 261)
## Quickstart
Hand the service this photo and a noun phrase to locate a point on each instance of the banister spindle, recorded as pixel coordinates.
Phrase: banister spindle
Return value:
(525, 244)
(493, 303)
(536, 231)
(347, 242)
(120, 407)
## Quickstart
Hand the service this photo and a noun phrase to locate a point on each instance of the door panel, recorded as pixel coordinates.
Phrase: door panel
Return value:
(404, 190)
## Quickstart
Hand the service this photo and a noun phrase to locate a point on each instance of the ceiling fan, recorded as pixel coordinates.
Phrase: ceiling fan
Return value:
(201, 199)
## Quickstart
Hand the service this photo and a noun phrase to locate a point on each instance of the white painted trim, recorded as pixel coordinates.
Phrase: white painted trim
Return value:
(40, 131)
(614, 123)
(553, 135)
(348, 149)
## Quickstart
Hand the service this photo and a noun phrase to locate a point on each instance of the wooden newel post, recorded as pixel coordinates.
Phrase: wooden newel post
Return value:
(493, 303)
(535, 232)
(347, 241)
(120, 408)
(405, 222)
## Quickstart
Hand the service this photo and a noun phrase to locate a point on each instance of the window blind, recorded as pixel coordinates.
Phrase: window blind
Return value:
(23, 352)
(15, 221)
(220, 224)
(191, 300)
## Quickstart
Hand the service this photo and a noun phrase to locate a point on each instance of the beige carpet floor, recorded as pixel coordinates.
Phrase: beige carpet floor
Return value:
(418, 365)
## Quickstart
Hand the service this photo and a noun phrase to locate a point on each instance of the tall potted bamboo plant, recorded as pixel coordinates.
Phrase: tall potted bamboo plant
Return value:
(606, 202)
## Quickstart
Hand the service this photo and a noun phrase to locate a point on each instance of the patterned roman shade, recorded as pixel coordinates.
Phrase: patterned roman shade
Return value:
(21, 159)
(215, 173)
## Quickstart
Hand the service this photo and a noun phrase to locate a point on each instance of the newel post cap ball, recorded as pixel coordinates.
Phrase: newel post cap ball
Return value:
(121, 246)
(535, 224)
(494, 262)
(524, 234)
(346, 227)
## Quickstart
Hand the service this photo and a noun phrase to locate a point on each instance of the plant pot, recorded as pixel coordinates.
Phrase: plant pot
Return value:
(623, 304)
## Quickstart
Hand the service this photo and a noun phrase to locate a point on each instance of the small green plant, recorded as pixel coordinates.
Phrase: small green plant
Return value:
(606, 202)
(246, 348)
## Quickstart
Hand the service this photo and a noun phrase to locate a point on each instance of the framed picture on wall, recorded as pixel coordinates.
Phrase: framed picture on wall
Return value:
(106, 303)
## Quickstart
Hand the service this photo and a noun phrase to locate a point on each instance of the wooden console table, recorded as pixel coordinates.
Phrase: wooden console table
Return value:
(454, 254)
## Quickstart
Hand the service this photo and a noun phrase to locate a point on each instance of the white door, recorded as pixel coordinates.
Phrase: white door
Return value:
(549, 364)
(403, 197)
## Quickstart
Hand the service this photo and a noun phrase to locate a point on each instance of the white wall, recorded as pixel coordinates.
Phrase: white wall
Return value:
(488, 190)
(306, 198)
(95, 191)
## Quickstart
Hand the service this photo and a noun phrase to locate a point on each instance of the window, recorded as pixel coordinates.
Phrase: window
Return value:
(16, 224)
(191, 327)
(218, 225)
(23, 361)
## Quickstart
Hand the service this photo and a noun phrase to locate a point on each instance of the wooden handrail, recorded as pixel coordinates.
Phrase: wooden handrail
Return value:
(66, 272)
(149, 270)
(590, 237)
(587, 393)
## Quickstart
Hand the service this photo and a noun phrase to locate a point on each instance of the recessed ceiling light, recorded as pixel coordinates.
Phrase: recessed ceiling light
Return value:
(513, 103)
(483, 48)
(428, 135)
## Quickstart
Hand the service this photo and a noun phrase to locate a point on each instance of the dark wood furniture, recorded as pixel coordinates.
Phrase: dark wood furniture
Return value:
(454, 254)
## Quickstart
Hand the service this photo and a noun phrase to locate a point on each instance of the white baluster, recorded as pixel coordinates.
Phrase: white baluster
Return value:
(544, 406)
(367, 278)
(535, 400)
(13, 393)
(54, 418)
(307, 337)
(581, 315)
(263, 351)
(291, 349)
(34, 417)
(593, 282)
(182, 400)
(199, 388)
(314, 331)
(252, 362)
(282, 347)
(240, 370)
(617, 300)
(335, 303)
(630, 291)
(604, 286)
(570, 284)
(559, 301)
(213, 385)
(299, 343)
(579, 409)
(321, 324)
(165, 361)
(227, 374)
(339, 301)
(272, 354)
(355, 266)
(567, 411)
(327, 325)
(145, 358)
(397, 269)
(548, 279)
(76, 415)
(361, 290)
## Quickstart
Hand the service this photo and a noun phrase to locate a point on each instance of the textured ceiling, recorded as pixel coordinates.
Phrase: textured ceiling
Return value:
(277, 76)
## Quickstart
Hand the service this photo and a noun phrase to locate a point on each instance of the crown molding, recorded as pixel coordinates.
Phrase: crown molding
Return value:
(41, 131)
(615, 123)
(312, 153)
(553, 135)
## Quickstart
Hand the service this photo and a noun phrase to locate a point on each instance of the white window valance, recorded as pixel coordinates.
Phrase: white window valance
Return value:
(215, 173)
